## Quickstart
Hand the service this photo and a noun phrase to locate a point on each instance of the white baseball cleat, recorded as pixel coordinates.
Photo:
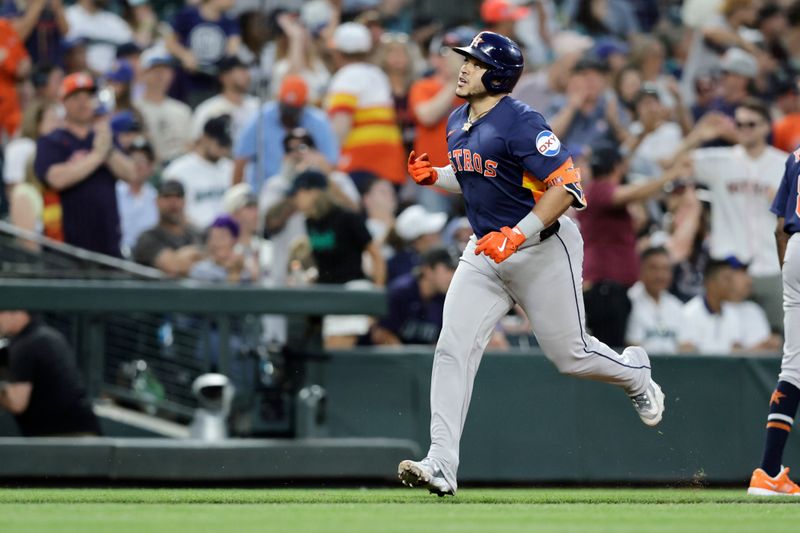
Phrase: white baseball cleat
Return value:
(650, 404)
(424, 473)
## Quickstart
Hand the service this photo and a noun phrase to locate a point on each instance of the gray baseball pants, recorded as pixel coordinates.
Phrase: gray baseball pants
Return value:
(546, 280)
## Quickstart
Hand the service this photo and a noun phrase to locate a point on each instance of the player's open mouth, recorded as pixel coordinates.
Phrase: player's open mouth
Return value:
(461, 82)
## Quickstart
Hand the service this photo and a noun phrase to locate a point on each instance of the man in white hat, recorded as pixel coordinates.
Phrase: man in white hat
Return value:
(421, 231)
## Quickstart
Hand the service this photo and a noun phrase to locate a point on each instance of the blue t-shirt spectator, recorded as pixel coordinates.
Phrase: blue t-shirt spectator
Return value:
(208, 42)
(89, 209)
(272, 132)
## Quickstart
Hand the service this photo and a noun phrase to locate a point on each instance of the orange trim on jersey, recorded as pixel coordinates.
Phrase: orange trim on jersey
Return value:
(563, 175)
(780, 425)
(534, 184)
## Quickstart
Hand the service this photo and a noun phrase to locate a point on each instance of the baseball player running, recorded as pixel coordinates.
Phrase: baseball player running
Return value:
(517, 181)
(772, 478)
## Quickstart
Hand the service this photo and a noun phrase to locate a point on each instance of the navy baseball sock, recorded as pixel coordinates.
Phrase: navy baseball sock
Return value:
(782, 408)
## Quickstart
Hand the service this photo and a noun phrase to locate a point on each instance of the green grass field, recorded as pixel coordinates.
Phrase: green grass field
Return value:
(391, 510)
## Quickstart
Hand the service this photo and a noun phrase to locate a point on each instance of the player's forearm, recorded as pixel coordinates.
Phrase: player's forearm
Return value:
(553, 203)
(446, 179)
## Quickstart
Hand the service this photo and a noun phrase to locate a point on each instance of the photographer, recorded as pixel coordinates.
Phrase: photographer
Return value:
(44, 391)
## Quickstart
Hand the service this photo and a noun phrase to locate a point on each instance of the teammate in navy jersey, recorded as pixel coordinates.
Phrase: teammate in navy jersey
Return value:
(517, 181)
(772, 478)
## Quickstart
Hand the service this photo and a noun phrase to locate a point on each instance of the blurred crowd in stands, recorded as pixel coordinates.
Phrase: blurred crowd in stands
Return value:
(267, 144)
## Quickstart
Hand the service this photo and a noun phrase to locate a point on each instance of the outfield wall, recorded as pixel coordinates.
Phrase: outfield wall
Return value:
(527, 423)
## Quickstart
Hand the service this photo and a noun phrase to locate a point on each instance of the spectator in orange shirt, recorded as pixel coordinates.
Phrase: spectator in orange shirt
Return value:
(15, 65)
(432, 99)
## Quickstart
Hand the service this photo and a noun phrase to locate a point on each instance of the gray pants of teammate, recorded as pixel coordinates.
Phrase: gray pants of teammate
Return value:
(790, 366)
(545, 279)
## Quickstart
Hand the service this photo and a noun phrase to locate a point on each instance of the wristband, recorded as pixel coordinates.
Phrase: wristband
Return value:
(530, 225)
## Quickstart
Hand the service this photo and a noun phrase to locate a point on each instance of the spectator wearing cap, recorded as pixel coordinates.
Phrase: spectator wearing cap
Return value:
(259, 150)
(41, 25)
(757, 333)
(205, 172)
(711, 326)
(544, 88)
(242, 205)
(742, 180)
(120, 80)
(126, 127)
(102, 29)
(223, 263)
(591, 113)
(234, 77)
(359, 102)
(715, 35)
(283, 222)
(338, 239)
(611, 264)
(653, 139)
(15, 66)
(655, 321)
(419, 231)
(137, 199)
(416, 302)
(739, 70)
(82, 163)
(167, 121)
(201, 36)
(173, 245)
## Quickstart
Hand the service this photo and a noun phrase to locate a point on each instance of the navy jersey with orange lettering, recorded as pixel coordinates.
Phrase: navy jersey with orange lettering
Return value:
(505, 161)
(787, 203)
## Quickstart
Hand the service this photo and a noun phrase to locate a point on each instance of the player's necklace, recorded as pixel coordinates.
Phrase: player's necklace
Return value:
(471, 120)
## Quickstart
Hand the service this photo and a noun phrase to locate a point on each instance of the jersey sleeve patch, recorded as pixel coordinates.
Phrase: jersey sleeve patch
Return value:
(547, 144)
(563, 175)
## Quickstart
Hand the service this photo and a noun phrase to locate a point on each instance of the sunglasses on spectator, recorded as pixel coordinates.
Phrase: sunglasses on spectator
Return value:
(749, 125)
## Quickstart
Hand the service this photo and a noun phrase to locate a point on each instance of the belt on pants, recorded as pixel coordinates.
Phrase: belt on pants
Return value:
(549, 231)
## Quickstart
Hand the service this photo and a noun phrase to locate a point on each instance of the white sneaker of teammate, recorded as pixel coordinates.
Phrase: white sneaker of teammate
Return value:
(649, 405)
(424, 473)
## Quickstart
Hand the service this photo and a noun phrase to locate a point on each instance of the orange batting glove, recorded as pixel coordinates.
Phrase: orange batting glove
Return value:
(499, 245)
(421, 170)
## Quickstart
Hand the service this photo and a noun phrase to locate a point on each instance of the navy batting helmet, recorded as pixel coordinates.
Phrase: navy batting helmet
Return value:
(501, 55)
